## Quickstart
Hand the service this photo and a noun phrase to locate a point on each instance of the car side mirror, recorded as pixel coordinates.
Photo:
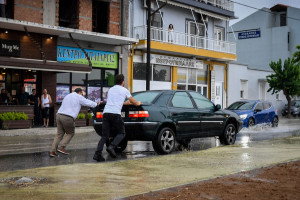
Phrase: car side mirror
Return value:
(218, 107)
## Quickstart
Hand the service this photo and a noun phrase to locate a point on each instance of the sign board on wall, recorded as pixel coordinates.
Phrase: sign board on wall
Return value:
(174, 61)
(249, 34)
(10, 48)
(102, 59)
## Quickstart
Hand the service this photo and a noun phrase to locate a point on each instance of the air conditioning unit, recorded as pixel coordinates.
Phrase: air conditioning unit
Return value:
(145, 4)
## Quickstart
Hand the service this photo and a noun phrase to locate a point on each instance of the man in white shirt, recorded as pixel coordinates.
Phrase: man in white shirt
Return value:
(112, 117)
(65, 119)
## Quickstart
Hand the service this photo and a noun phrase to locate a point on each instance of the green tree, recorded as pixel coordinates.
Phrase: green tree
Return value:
(285, 78)
(297, 54)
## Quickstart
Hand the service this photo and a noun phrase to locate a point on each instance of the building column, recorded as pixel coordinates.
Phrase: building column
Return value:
(174, 78)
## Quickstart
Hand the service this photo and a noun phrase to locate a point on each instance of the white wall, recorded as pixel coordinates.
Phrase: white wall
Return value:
(140, 85)
(236, 72)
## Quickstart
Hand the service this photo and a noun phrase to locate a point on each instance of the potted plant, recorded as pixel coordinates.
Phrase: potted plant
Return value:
(90, 121)
(14, 120)
(80, 120)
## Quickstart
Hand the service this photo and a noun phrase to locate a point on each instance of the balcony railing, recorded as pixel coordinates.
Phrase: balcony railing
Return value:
(183, 39)
(224, 4)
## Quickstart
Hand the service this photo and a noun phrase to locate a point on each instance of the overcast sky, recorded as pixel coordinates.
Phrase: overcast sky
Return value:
(243, 11)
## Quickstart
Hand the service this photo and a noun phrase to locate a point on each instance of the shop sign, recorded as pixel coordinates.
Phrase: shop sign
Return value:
(100, 59)
(174, 61)
(10, 48)
(249, 34)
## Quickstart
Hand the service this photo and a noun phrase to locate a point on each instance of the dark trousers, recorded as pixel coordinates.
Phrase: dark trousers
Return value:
(112, 126)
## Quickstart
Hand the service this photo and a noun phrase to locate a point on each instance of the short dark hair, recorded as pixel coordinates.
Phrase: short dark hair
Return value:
(32, 90)
(119, 79)
(77, 90)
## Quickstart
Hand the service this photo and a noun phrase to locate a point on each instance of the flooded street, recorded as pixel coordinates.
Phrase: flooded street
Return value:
(25, 152)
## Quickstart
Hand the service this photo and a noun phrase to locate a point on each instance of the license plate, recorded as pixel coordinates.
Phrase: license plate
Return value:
(123, 114)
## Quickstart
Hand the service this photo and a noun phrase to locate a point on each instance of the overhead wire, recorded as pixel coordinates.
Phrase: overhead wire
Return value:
(259, 9)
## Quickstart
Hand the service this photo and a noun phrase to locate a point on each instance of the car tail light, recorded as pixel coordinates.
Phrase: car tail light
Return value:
(143, 114)
(99, 115)
(133, 114)
(137, 114)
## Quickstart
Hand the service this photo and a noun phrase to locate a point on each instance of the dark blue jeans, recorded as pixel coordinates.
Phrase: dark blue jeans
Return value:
(112, 126)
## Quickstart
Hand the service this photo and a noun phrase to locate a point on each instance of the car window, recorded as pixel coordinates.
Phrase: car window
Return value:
(181, 100)
(146, 97)
(201, 101)
(259, 106)
(266, 106)
(241, 106)
(295, 103)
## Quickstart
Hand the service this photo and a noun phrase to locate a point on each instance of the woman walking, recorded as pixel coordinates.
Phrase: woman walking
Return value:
(46, 101)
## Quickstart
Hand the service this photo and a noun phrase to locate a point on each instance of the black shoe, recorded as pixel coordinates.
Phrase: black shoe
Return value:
(111, 151)
(98, 157)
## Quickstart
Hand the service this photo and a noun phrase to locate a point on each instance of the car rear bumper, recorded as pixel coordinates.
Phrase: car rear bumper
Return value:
(135, 130)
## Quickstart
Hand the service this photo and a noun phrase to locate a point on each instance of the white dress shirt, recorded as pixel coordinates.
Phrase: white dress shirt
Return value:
(72, 103)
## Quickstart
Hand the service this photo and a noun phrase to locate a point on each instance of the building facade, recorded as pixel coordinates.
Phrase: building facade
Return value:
(194, 55)
(59, 45)
(264, 36)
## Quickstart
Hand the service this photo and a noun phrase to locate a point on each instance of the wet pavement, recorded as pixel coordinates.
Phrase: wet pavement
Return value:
(113, 180)
(29, 149)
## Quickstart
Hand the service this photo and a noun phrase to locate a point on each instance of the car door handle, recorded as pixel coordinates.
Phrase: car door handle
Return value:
(174, 114)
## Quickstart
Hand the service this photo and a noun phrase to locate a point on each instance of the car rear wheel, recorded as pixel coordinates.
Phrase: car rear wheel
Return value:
(251, 122)
(229, 135)
(165, 141)
(275, 122)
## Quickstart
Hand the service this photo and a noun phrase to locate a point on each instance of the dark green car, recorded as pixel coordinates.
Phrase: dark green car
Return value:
(168, 116)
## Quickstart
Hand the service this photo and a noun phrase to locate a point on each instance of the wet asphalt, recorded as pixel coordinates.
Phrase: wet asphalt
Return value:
(31, 151)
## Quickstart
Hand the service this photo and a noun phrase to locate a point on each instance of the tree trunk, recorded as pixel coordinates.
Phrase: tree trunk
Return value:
(289, 99)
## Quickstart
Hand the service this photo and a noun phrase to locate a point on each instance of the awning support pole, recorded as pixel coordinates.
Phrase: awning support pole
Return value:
(82, 49)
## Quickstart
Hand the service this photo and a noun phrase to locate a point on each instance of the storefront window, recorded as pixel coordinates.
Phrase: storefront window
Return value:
(94, 94)
(63, 78)
(110, 77)
(61, 92)
(181, 75)
(78, 78)
(202, 75)
(192, 76)
(192, 87)
(181, 87)
(161, 73)
(78, 86)
(94, 77)
(139, 71)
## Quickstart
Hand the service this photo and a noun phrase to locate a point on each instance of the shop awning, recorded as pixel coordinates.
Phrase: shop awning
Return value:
(39, 65)
(64, 32)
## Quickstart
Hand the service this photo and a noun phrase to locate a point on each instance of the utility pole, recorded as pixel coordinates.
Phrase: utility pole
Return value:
(148, 67)
(149, 14)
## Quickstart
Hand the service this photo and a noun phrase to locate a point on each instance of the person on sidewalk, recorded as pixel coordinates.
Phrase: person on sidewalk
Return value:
(45, 105)
(65, 119)
(23, 97)
(34, 100)
(112, 117)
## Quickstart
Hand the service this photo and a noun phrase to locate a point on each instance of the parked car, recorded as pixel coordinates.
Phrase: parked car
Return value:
(295, 108)
(168, 116)
(255, 112)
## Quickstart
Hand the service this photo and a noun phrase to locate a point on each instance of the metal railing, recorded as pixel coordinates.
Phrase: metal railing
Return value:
(184, 39)
(224, 4)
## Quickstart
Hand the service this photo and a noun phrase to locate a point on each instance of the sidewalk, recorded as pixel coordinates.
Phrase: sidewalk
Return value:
(41, 131)
(112, 180)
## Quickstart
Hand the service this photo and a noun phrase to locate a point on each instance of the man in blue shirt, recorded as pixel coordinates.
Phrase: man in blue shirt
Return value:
(112, 117)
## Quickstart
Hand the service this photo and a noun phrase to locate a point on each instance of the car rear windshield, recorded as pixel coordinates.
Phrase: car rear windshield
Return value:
(241, 106)
(146, 97)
